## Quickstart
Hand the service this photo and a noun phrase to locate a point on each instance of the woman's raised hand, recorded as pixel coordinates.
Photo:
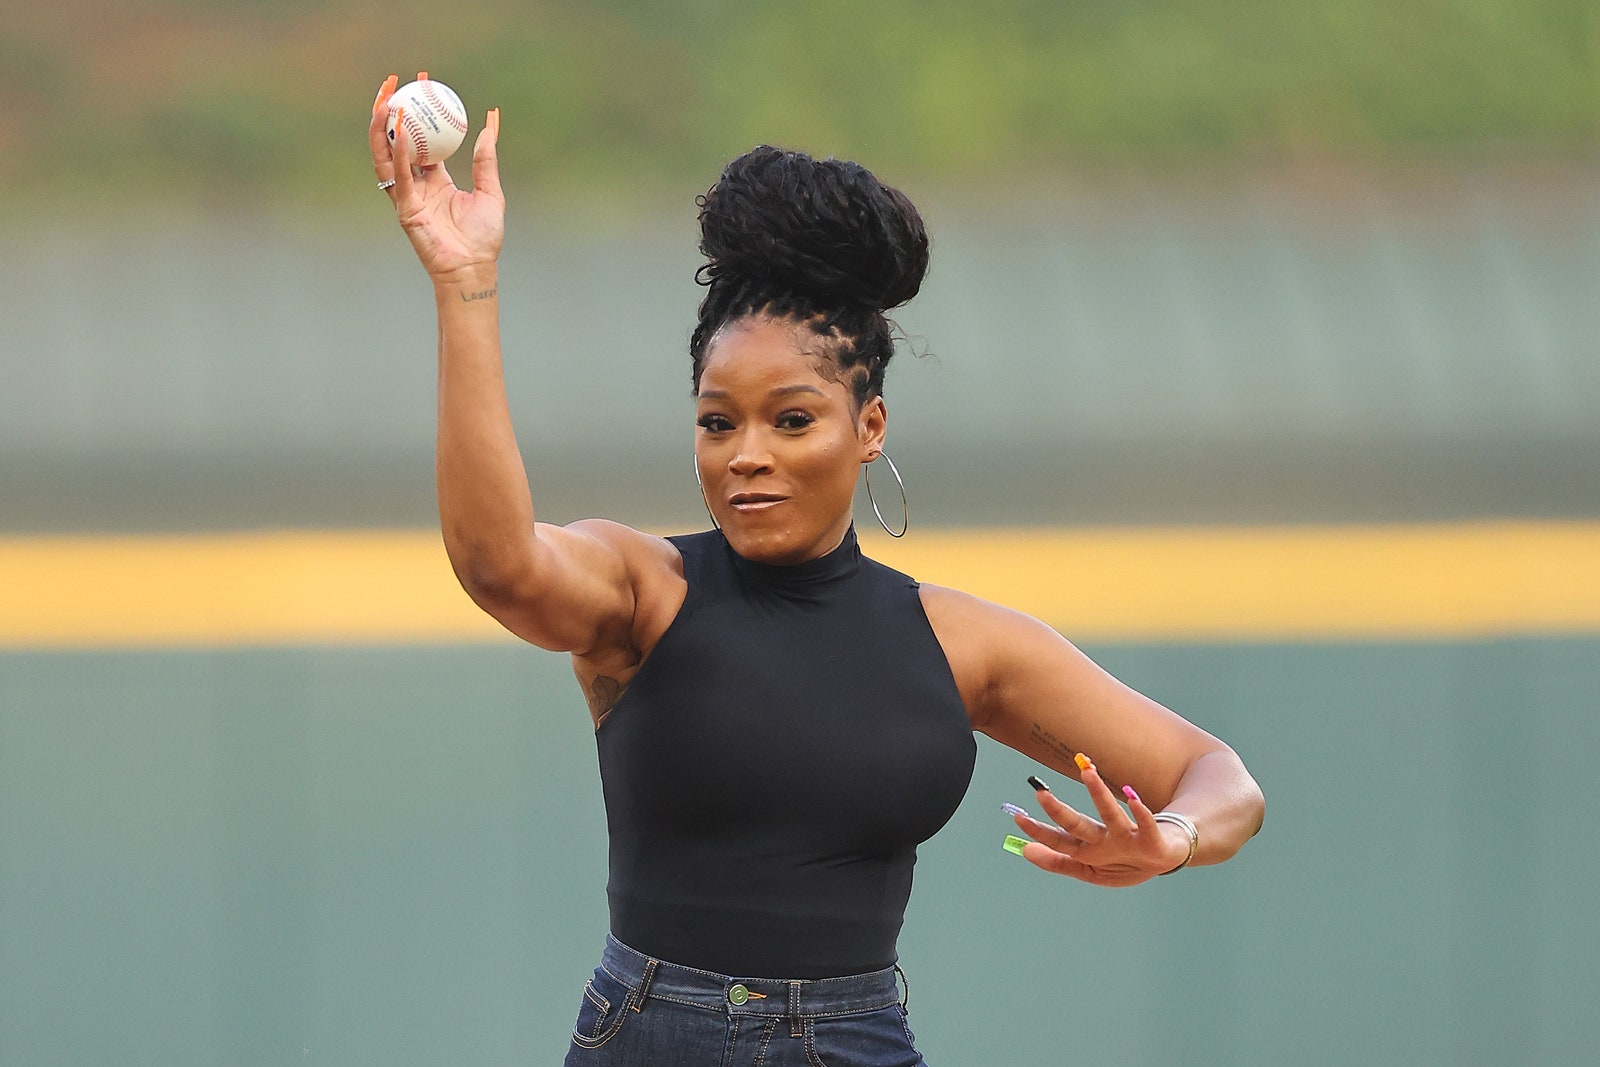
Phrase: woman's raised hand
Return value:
(1125, 846)
(451, 230)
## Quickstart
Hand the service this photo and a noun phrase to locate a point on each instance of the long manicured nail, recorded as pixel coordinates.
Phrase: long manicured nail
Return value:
(494, 121)
(1012, 809)
(384, 90)
(422, 75)
(1128, 792)
(1034, 781)
(1013, 844)
(1083, 762)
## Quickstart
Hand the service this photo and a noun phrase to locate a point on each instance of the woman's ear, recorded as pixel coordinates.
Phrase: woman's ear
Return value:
(871, 427)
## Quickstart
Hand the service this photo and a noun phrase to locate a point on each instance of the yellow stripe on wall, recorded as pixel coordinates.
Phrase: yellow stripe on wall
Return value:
(1145, 584)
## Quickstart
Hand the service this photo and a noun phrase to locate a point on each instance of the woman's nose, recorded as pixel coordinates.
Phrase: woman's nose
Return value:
(751, 457)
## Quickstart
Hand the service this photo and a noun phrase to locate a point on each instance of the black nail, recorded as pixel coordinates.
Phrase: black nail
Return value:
(1033, 780)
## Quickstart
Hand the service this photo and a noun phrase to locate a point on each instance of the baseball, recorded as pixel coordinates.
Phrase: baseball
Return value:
(434, 121)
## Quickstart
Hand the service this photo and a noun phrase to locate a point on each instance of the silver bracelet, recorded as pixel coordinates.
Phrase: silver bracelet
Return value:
(1189, 828)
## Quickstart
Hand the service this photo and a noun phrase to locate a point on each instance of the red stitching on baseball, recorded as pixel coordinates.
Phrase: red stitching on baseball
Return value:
(446, 112)
(418, 142)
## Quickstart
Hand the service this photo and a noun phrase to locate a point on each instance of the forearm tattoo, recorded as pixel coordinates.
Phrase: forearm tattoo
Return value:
(1041, 738)
(481, 294)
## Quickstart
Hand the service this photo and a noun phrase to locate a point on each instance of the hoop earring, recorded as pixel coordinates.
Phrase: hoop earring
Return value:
(715, 525)
(905, 521)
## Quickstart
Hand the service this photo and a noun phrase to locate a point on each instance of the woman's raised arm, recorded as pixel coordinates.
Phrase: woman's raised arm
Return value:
(568, 589)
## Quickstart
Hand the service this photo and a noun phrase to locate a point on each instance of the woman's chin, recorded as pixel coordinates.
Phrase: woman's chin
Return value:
(759, 546)
(776, 543)
(761, 542)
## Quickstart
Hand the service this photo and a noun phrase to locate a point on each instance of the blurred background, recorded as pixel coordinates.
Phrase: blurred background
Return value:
(1210, 285)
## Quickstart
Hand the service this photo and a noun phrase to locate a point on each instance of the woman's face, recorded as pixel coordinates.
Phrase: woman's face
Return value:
(780, 440)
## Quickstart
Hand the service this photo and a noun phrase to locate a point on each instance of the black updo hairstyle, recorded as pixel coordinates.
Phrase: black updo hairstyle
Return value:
(821, 242)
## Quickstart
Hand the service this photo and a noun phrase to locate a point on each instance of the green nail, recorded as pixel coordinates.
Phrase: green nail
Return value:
(1014, 844)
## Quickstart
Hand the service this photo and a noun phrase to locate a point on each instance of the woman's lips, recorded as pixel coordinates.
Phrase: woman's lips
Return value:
(754, 501)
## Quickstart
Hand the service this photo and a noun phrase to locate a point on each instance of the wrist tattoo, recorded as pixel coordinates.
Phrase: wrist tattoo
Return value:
(481, 294)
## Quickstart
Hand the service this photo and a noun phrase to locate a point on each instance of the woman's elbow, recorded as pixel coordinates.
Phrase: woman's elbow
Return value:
(1255, 806)
(1251, 801)
(491, 579)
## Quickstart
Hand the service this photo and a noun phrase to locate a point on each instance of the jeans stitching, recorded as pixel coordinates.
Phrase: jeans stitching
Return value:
(603, 1032)
(598, 1001)
(686, 1003)
(766, 1040)
(811, 1046)
(594, 1041)
(905, 1024)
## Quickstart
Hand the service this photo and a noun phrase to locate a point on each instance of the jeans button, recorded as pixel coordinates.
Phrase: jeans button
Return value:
(738, 995)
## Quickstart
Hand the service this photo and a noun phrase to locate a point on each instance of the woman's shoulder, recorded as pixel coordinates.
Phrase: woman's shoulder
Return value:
(697, 544)
(972, 620)
(984, 641)
(656, 574)
(655, 564)
(639, 549)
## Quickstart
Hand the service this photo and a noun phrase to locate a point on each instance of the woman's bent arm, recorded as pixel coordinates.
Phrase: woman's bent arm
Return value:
(1030, 689)
(485, 507)
(568, 589)
(553, 586)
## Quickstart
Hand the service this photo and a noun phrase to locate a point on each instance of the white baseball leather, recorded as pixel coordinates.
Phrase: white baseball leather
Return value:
(435, 121)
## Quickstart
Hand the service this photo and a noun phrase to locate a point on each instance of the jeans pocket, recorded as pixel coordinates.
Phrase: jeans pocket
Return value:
(602, 1011)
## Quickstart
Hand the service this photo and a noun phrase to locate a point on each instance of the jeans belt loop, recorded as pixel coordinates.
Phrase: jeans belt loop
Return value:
(644, 984)
(794, 1009)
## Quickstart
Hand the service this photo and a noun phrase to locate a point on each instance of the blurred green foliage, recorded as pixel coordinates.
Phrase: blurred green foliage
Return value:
(199, 99)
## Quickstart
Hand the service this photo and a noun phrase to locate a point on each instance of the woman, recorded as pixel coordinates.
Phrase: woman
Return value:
(780, 720)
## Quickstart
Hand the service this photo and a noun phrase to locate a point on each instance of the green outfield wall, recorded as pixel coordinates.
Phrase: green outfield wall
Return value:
(396, 856)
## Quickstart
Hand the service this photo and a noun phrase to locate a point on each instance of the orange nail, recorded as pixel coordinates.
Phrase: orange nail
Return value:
(1082, 761)
(494, 121)
(422, 75)
(384, 91)
(395, 140)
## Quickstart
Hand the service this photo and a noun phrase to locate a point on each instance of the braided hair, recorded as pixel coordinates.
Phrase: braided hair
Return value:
(819, 242)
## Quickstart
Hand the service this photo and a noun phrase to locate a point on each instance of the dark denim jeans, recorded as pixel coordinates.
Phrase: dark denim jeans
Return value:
(642, 1012)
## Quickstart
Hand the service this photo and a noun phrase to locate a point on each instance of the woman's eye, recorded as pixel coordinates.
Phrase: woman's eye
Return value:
(794, 420)
(713, 423)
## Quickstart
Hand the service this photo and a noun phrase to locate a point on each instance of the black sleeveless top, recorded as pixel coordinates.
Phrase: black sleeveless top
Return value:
(774, 764)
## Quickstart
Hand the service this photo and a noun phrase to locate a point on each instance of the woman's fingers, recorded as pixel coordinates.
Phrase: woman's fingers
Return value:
(1105, 802)
(385, 91)
(435, 177)
(486, 159)
(1143, 817)
(407, 196)
(377, 135)
(1122, 850)
(1050, 860)
(1044, 833)
(1070, 819)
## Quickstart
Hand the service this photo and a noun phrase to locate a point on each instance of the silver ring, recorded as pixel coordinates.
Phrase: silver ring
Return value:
(386, 185)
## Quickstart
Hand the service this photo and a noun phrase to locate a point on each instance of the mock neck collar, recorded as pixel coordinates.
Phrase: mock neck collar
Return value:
(841, 563)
